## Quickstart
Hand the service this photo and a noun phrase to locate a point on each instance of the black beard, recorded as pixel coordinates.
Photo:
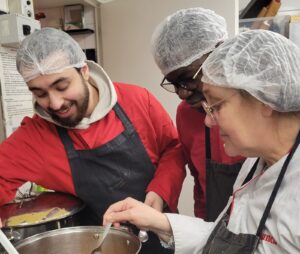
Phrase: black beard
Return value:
(81, 106)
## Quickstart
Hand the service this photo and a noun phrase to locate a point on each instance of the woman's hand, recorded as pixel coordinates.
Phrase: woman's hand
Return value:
(139, 214)
(155, 201)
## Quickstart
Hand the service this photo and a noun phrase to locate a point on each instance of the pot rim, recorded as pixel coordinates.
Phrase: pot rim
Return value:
(76, 229)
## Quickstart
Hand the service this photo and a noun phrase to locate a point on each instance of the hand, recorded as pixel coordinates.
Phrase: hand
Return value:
(155, 201)
(139, 214)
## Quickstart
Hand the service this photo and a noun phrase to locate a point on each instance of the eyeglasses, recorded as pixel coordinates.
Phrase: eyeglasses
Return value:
(184, 84)
(211, 109)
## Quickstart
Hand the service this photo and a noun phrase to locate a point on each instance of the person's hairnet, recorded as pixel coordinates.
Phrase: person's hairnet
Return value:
(263, 63)
(186, 36)
(48, 51)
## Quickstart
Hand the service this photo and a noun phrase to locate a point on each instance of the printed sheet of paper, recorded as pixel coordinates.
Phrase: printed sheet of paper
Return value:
(16, 99)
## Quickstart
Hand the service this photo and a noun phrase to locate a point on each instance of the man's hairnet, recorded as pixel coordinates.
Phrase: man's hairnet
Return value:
(48, 51)
(263, 63)
(185, 36)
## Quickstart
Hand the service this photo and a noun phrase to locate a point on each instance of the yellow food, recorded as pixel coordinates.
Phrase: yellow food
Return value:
(37, 217)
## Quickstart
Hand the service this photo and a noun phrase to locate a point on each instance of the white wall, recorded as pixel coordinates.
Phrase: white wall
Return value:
(126, 27)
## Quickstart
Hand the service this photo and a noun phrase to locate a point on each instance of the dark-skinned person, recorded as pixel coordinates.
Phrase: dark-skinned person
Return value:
(180, 45)
(251, 85)
(98, 140)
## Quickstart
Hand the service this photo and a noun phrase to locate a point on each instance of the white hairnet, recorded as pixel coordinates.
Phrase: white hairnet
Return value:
(263, 63)
(185, 36)
(48, 51)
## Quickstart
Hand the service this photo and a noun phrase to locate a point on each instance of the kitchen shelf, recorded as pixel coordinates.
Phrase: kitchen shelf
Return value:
(253, 8)
(44, 4)
(80, 31)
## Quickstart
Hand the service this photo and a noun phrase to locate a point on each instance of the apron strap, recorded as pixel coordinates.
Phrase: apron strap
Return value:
(277, 185)
(67, 142)
(128, 126)
(207, 143)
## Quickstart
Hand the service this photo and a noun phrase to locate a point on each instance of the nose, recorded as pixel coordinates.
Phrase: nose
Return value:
(55, 101)
(209, 122)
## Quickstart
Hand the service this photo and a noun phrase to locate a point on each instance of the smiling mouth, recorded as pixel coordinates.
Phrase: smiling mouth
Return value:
(62, 111)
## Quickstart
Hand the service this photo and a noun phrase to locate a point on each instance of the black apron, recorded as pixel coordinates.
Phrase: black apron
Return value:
(219, 181)
(118, 169)
(223, 241)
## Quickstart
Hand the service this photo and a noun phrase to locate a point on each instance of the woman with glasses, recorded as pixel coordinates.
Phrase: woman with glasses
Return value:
(251, 85)
(180, 45)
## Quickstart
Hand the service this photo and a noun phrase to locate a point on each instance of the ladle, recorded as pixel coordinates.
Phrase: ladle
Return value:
(7, 244)
(106, 230)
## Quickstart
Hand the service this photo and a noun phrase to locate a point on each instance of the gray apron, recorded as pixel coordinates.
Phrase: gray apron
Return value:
(118, 169)
(223, 241)
(219, 181)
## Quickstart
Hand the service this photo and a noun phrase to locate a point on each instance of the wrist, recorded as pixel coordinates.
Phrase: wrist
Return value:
(162, 225)
(170, 244)
(163, 230)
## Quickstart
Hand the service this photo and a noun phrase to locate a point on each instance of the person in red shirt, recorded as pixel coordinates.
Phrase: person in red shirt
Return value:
(95, 139)
(180, 45)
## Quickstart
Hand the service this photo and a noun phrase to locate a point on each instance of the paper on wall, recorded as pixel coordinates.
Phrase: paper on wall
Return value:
(16, 99)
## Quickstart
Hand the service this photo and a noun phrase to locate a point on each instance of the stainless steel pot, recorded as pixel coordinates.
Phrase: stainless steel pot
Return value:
(80, 240)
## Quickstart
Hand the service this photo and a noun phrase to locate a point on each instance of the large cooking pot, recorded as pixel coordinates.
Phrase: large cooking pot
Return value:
(37, 214)
(80, 240)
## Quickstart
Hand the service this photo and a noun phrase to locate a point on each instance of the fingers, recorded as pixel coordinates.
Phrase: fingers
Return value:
(120, 211)
(118, 217)
(154, 200)
(138, 214)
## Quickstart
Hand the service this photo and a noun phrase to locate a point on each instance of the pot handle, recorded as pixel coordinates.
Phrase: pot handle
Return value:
(142, 234)
(13, 235)
(125, 228)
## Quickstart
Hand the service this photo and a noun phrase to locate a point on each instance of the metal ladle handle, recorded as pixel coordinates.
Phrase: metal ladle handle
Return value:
(143, 236)
(105, 233)
(7, 244)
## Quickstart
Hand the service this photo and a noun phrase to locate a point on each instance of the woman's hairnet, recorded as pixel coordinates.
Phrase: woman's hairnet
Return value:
(48, 51)
(185, 36)
(263, 63)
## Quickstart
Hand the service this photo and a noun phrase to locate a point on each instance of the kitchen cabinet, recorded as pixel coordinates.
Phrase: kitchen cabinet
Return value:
(89, 38)
(279, 23)
(288, 7)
